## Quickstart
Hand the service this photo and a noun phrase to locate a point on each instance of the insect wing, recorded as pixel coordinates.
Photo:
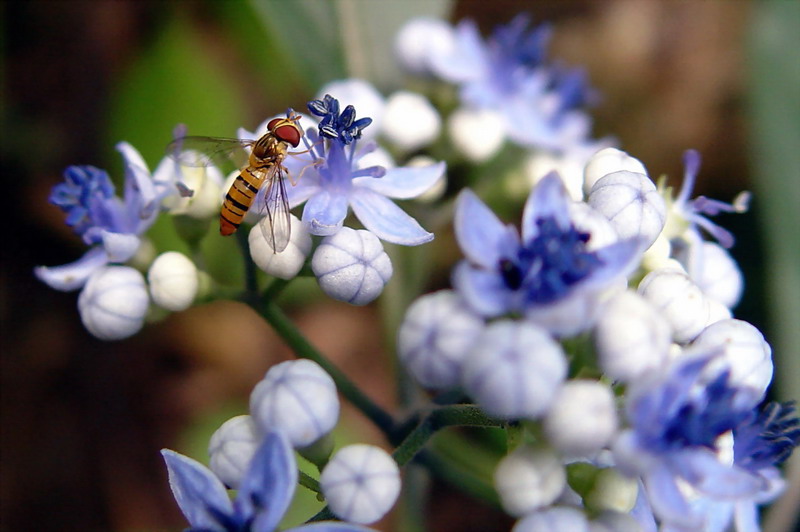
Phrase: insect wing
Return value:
(206, 151)
(276, 226)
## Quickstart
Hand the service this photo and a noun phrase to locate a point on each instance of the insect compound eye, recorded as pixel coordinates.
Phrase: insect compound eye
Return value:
(274, 122)
(289, 133)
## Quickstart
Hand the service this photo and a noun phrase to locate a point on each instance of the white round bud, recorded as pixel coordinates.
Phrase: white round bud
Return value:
(632, 204)
(297, 398)
(477, 134)
(610, 521)
(286, 264)
(587, 220)
(435, 337)
(630, 337)
(612, 491)
(607, 161)
(528, 479)
(514, 370)
(719, 277)
(173, 281)
(352, 266)
(410, 121)
(745, 352)
(717, 312)
(569, 169)
(582, 419)
(361, 483)
(231, 449)
(556, 519)
(420, 38)
(113, 302)
(363, 96)
(678, 300)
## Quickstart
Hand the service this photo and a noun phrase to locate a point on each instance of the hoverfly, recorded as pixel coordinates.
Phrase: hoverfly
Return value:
(262, 165)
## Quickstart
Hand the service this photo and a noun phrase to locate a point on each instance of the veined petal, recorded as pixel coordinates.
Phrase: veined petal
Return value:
(483, 290)
(386, 220)
(548, 199)
(403, 183)
(120, 246)
(324, 213)
(269, 484)
(137, 170)
(73, 275)
(481, 235)
(199, 494)
(300, 193)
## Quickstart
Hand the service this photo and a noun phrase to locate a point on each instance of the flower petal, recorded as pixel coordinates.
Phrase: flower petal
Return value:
(200, 495)
(466, 59)
(667, 500)
(120, 246)
(300, 192)
(484, 291)
(324, 213)
(73, 275)
(481, 235)
(403, 183)
(268, 486)
(704, 471)
(331, 526)
(386, 220)
(548, 199)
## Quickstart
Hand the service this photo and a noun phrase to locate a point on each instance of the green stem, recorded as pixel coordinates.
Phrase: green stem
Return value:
(251, 281)
(309, 482)
(303, 349)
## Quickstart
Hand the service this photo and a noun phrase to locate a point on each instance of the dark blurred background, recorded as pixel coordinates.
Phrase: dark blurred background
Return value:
(82, 420)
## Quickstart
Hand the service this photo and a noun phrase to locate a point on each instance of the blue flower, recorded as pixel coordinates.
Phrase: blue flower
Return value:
(695, 211)
(331, 180)
(550, 266)
(508, 72)
(263, 497)
(681, 430)
(111, 225)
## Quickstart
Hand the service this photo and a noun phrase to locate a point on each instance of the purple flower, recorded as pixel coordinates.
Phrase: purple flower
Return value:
(263, 497)
(111, 225)
(332, 181)
(549, 274)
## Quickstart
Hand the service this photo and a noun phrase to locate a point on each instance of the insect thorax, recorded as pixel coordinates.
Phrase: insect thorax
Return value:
(267, 151)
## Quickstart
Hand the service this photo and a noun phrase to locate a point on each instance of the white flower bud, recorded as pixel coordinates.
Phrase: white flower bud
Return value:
(514, 370)
(231, 449)
(630, 337)
(607, 161)
(609, 521)
(587, 220)
(678, 300)
(435, 337)
(632, 204)
(582, 419)
(717, 312)
(419, 39)
(745, 352)
(556, 519)
(477, 134)
(658, 254)
(410, 121)
(286, 264)
(113, 302)
(360, 483)
(352, 266)
(528, 479)
(297, 398)
(363, 96)
(612, 491)
(173, 281)
(718, 275)
(570, 170)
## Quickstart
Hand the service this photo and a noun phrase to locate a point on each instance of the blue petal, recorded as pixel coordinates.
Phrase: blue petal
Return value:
(481, 235)
(403, 183)
(199, 494)
(73, 275)
(667, 500)
(467, 60)
(549, 199)
(484, 291)
(120, 246)
(331, 526)
(324, 213)
(386, 220)
(618, 260)
(704, 471)
(269, 484)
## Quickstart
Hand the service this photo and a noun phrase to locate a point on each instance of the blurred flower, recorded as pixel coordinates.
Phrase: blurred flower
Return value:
(528, 479)
(351, 266)
(173, 281)
(550, 274)
(410, 121)
(334, 181)
(112, 226)
(582, 419)
(264, 494)
(678, 300)
(554, 519)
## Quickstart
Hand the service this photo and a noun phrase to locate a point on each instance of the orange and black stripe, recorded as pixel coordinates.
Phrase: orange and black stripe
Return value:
(239, 199)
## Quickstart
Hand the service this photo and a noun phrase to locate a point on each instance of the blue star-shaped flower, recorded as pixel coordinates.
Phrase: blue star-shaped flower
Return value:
(263, 497)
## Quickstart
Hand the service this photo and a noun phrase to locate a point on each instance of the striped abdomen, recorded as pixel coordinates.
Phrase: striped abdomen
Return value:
(239, 198)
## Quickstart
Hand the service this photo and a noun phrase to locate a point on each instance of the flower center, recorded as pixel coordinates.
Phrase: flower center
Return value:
(548, 265)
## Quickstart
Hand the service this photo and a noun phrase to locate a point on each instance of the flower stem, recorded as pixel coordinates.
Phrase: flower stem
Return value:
(303, 349)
